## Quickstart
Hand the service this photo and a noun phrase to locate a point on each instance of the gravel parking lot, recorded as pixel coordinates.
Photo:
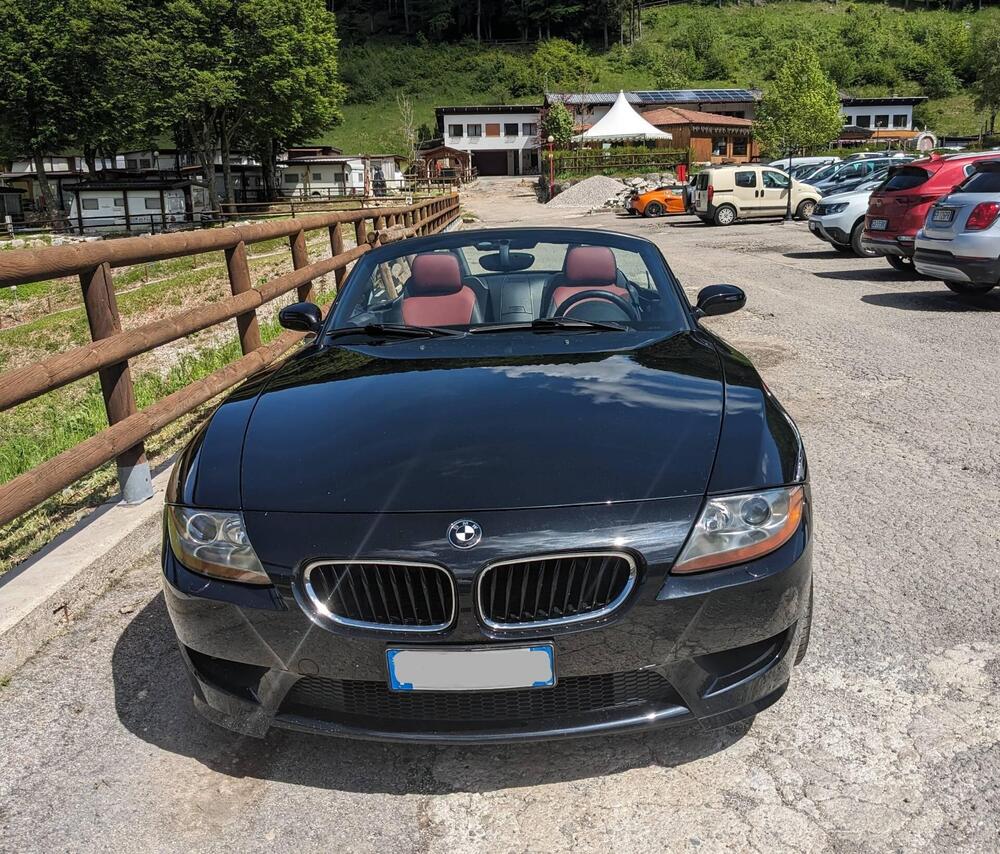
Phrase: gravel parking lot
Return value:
(888, 738)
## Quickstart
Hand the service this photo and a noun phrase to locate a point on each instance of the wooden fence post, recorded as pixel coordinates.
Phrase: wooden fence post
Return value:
(239, 282)
(336, 248)
(300, 258)
(116, 380)
(360, 232)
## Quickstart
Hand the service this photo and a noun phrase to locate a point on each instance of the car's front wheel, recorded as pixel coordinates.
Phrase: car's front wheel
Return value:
(969, 288)
(653, 209)
(860, 250)
(724, 215)
(844, 250)
(805, 209)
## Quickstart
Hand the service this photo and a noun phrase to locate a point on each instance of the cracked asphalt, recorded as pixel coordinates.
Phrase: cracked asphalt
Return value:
(887, 740)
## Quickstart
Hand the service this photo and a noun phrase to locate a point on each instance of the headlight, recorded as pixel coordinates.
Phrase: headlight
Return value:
(214, 543)
(840, 207)
(737, 528)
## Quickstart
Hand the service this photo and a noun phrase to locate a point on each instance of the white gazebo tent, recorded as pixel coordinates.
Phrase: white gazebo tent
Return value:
(621, 123)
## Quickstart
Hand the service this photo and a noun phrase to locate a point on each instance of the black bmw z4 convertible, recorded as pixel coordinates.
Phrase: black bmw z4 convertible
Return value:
(507, 489)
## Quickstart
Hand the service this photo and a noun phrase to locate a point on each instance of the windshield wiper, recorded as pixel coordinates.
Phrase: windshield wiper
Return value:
(548, 324)
(393, 330)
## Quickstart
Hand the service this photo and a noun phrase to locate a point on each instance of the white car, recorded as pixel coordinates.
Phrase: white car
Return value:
(815, 162)
(840, 219)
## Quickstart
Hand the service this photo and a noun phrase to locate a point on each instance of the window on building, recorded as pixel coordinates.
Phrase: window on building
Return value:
(291, 177)
(746, 179)
(119, 203)
(529, 129)
(152, 204)
(882, 121)
(474, 130)
(719, 146)
(510, 129)
(317, 176)
(739, 146)
(848, 121)
(131, 163)
(89, 204)
(900, 120)
(454, 130)
(863, 121)
(145, 163)
(493, 129)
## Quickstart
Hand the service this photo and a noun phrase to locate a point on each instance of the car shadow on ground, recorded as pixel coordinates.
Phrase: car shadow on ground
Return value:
(938, 300)
(817, 254)
(153, 701)
(868, 274)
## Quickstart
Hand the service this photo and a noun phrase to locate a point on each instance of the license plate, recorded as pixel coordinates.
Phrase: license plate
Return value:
(879, 224)
(471, 668)
(943, 215)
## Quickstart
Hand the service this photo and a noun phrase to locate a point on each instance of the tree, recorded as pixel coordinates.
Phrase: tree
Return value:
(800, 107)
(557, 122)
(34, 54)
(986, 86)
(407, 125)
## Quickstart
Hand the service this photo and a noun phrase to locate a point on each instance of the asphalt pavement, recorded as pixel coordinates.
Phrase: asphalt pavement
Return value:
(887, 740)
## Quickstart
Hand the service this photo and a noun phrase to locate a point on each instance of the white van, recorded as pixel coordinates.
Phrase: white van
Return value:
(724, 194)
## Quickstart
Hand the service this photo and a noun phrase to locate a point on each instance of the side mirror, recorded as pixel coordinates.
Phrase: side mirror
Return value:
(301, 317)
(719, 299)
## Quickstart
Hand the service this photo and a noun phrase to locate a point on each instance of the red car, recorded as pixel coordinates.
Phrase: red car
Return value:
(897, 209)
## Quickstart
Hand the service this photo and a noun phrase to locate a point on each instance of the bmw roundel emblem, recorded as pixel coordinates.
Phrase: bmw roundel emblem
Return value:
(464, 534)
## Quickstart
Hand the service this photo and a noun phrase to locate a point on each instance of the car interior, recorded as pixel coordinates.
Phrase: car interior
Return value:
(440, 289)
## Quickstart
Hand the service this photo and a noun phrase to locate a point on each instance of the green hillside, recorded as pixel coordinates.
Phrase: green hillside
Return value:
(867, 49)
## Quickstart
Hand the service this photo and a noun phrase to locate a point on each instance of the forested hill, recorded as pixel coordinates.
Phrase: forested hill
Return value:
(867, 48)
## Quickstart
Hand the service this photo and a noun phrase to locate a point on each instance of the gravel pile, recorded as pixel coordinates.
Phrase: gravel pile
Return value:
(592, 192)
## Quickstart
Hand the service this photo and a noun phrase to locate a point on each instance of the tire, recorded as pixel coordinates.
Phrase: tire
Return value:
(904, 265)
(724, 215)
(805, 209)
(807, 622)
(969, 288)
(856, 233)
(653, 209)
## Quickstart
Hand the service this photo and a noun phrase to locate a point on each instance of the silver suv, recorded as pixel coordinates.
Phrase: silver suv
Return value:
(960, 240)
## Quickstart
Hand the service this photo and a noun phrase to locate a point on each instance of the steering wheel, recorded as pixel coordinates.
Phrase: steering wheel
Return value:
(620, 302)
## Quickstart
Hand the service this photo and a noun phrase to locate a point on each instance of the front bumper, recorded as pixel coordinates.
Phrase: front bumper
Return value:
(829, 232)
(712, 648)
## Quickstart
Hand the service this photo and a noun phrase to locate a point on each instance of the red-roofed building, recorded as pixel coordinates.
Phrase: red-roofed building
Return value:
(712, 137)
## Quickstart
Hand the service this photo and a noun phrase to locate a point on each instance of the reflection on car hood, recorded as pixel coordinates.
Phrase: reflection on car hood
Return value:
(345, 430)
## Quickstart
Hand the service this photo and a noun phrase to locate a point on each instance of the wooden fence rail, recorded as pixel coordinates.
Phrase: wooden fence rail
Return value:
(110, 349)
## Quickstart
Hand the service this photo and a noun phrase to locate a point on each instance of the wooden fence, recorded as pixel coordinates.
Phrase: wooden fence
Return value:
(595, 161)
(110, 348)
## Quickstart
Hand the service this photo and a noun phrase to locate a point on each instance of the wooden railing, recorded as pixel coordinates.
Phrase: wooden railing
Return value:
(110, 349)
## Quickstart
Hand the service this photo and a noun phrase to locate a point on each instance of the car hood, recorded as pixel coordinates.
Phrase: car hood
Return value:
(849, 196)
(387, 429)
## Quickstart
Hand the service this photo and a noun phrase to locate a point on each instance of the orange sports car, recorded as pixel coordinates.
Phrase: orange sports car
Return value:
(658, 202)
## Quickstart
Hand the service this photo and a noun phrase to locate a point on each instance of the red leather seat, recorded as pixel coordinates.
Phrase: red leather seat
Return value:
(587, 268)
(435, 294)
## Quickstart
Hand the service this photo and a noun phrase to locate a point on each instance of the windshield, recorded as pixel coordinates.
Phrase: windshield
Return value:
(986, 180)
(823, 172)
(476, 280)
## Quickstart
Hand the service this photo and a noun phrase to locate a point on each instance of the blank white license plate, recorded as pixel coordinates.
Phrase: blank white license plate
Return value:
(471, 669)
(943, 215)
(879, 224)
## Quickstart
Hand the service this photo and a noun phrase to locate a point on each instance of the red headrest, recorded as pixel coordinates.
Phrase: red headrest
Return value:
(591, 265)
(434, 273)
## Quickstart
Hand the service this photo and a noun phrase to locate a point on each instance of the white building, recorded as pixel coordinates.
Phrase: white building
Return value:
(503, 140)
(891, 113)
(590, 108)
(139, 205)
(324, 175)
